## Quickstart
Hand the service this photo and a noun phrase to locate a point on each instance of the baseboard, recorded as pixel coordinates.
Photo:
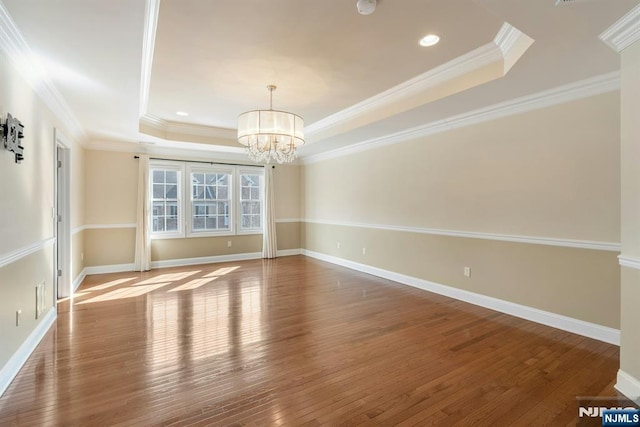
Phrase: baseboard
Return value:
(119, 268)
(580, 327)
(205, 260)
(78, 280)
(13, 366)
(289, 252)
(629, 386)
(115, 268)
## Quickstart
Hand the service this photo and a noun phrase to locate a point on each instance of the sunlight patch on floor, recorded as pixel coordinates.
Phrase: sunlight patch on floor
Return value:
(169, 277)
(125, 293)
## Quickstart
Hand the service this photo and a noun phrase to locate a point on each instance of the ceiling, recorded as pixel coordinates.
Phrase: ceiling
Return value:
(125, 67)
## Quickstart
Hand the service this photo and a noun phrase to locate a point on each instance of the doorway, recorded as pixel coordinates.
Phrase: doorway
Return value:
(62, 227)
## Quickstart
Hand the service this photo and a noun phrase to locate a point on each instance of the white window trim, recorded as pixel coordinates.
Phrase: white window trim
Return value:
(189, 201)
(185, 202)
(249, 171)
(168, 165)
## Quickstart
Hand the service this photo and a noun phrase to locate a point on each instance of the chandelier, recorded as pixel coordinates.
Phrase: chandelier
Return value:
(270, 134)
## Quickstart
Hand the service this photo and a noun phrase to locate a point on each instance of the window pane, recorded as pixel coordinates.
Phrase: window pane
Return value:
(172, 191)
(255, 207)
(197, 178)
(171, 177)
(172, 224)
(158, 224)
(223, 192)
(223, 179)
(158, 208)
(211, 223)
(255, 193)
(210, 193)
(158, 176)
(246, 192)
(223, 222)
(158, 191)
(255, 221)
(198, 223)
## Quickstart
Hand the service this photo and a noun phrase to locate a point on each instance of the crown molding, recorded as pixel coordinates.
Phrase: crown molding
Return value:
(624, 32)
(152, 9)
(188, 129)
(561, 94)
(178, 149)
(461, 65)
(505, 40)
(14, 46)
(507, 37)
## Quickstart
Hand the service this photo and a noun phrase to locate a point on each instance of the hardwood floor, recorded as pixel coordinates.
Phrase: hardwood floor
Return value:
(295, 341)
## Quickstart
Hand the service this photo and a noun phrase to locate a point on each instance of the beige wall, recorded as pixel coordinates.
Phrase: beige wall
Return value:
(111, 181)
(630, 203)
(26, 202)
(552, 173)
(111, 193)
(579, 283)
(287, 181)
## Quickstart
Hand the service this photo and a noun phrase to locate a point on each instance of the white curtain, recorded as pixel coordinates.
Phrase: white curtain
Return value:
(269, 242)
(143, 239)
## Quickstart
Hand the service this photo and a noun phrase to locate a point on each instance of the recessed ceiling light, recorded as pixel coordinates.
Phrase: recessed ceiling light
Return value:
(181, 113)
(429, 40)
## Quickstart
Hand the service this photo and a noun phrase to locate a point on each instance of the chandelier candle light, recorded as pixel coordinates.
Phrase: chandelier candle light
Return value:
(271, 134)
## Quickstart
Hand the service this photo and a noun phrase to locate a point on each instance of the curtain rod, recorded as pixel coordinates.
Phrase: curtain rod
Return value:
(208, 163)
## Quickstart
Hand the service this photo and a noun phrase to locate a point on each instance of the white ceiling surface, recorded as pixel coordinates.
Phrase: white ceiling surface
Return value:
(214, 59)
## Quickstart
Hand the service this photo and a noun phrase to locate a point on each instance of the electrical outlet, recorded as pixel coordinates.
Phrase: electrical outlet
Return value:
(228, 243)
(364, 251)
(40, 300)
(18, 315)
(339, 245)
(467, 272)
(81, 256)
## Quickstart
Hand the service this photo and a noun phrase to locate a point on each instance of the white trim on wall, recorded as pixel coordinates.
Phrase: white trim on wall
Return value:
(78, 280)
(133, 225)
(580, 327)
(624, 32)
(113, 268)
(205, 260)
(629, 262)
(628, 385)
(581, 244)
(13, 366)
(14, 256)
(152, 10)
(459, 66)
(120, 268)
(101, 226)
(559, 95)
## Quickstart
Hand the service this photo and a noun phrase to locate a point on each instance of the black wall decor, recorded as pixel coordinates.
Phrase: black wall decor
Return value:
(12, 133)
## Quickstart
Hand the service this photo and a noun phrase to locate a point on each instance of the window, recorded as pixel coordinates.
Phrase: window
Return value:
(165, 200)
(251, 201)
(210, 201)
(217, 200)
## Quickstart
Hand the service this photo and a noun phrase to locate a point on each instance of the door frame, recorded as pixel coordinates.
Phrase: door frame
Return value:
(62, 220)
